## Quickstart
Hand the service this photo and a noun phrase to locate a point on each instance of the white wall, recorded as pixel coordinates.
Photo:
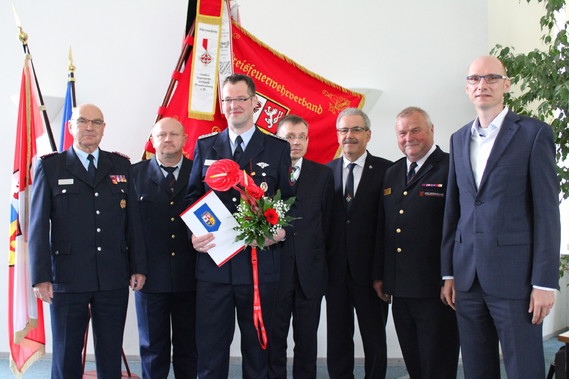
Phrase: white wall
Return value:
(415, 52)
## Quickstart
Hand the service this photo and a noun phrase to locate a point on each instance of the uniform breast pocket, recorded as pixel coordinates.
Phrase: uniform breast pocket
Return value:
(66, 201)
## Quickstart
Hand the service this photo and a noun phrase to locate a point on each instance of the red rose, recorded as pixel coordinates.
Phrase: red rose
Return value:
(272, 216)
(222, 175)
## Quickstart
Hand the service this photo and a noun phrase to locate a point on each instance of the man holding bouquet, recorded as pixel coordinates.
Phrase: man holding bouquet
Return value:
(224, 290)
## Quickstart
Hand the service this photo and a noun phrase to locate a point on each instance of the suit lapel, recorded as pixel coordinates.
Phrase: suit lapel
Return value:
(222, 145)
(157, 176)
(367, 173)
(254, 148)
(465, 140)
(104, 165)
(305, 174)
(338, 163)
(183, 177)
(503, 139)
(426, 167)
(74, 165)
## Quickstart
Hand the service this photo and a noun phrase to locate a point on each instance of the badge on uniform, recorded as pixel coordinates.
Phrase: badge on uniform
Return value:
(123, 204)
(387, 191)
(65, 182)
(118, 179)
(262, 165)
(436, 185)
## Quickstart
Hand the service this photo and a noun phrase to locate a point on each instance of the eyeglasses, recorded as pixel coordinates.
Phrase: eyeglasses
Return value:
(81, 121)
(238, 100)
(290, 137)
(163, 135)
(490, 78)
(355, 129)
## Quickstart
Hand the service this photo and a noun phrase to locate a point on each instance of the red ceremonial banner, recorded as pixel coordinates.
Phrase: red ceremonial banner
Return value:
(283, 87)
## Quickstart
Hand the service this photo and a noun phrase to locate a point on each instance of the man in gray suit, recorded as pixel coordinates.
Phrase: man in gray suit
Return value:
(500, 249)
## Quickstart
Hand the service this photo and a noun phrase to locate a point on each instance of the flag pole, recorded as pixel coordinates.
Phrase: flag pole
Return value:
(71, 79)
(186, 50)
(23, 36)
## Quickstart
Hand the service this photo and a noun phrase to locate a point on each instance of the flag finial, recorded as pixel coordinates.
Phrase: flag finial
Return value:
(71, 67)
(23, 36)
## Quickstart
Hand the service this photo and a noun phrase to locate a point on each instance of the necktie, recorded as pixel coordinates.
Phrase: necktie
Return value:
(349, 191)
(91, 170)
(411, 173)
(170, 179)
(238, 149)
(293, 174)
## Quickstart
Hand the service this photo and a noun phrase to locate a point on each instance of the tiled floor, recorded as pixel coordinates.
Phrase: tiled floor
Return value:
(41, 369)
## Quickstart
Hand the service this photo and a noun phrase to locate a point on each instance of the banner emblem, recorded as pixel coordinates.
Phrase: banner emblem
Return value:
(269, 113)
(205, 58)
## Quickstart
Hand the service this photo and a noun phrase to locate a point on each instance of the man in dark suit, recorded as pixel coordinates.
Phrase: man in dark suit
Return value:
(358, 182)
(303, 259)
(223, 290)
(500, 249)
(168, 299)
(85, 246)
(409, 250)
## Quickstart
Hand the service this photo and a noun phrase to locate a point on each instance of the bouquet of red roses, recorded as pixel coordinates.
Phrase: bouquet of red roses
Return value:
(259, 217)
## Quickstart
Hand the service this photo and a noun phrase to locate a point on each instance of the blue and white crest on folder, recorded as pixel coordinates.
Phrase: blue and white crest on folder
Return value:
(207, 218)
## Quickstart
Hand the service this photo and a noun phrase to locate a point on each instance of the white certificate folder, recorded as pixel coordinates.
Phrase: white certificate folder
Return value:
(210, 215)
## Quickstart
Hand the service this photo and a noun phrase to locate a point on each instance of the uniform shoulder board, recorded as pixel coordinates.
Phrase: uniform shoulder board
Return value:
(121, 155)
(275, 136)
(52, 154)
(208, 135)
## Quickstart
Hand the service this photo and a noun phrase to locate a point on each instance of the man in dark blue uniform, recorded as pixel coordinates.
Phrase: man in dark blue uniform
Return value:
(409, 250)
(168, 299)
(223, 290)
(304, 273)
(85, 246)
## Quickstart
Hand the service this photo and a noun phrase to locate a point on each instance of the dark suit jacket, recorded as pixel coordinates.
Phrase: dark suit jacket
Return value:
(412, 256)
(84, 237)
(267, 160)
(309, 239)
(355, 231)
(171, 261)
(507, 231)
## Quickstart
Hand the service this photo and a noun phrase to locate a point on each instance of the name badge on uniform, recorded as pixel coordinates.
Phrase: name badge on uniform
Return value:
(118, 179)
(65, 182)
(209, 162)
(387, 191)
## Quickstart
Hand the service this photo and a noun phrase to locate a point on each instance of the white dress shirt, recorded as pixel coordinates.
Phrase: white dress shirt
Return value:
(358, 170)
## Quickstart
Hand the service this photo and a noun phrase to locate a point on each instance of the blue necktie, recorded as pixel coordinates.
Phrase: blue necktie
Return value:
(411, 173)
(349, 191)
(238, 149)
(170, 179)
(91, 170)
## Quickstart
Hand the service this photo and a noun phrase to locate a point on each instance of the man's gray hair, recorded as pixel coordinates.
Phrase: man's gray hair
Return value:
(411, 110)
(354, 112)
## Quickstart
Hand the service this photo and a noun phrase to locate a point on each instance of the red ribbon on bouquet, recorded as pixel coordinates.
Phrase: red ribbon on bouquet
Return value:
(257, 313)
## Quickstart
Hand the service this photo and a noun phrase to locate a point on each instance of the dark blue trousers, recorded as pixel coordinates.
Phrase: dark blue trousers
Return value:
(69, 318)
(156, 314)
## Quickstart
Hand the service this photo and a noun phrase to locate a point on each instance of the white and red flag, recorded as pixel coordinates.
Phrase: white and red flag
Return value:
(25, 312)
